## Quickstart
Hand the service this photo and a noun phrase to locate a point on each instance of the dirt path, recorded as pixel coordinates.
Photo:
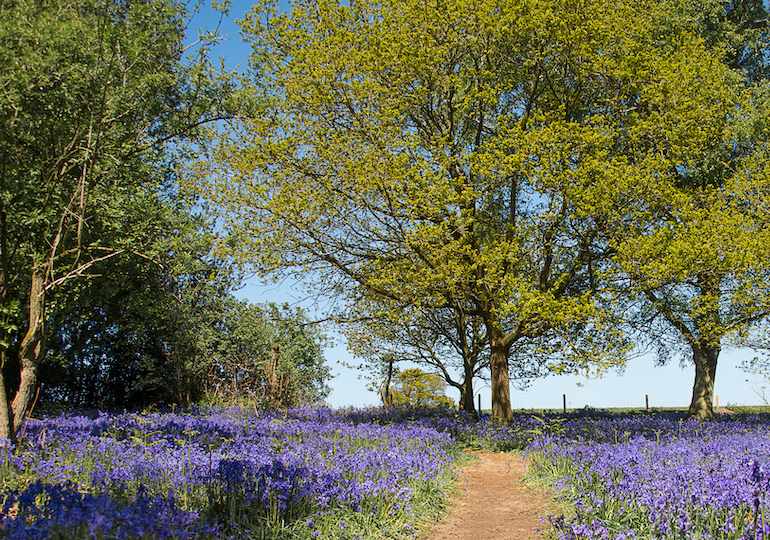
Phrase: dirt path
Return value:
(493, 503)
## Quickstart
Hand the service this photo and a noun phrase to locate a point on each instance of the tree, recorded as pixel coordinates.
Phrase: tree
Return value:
(451, 341)
(142, 328)
(149, 334)
(416, 388)
(272, 355)
(693, 246)
(460, 153)
(164, 328)
(447, 340)
(92, 93)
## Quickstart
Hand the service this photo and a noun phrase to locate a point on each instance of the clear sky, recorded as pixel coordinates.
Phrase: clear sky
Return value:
(669, 386)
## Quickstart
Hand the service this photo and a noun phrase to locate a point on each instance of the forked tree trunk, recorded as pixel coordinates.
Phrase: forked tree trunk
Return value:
(32, 349)
(705, 358)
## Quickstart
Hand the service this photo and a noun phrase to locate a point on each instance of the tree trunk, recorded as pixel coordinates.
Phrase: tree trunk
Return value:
(466, 397)
(6, 417)
(706, 349)
(32, 348)
(385, 394)
(271, 372)
(6, 414)
(705, 358)
(498, 366)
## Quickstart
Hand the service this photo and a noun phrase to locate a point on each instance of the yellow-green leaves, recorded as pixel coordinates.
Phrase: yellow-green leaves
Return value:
(492, 153)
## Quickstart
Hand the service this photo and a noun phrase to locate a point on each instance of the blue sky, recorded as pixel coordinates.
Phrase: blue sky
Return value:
(666, 386)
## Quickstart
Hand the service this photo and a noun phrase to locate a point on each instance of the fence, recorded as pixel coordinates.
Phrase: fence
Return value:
(564, 402)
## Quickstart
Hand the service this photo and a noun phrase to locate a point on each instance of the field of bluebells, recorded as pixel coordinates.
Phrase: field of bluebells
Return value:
(368, 474)
(232, 473)
(657, 477)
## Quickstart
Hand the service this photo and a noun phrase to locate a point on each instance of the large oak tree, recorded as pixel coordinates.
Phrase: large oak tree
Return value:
(692, 247)
(466, 152)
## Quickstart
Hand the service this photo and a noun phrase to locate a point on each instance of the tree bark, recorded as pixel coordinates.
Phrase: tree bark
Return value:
(6, 417)
(385, 394)
(466, 397)
(705, 358)
(706, 348)
(271, 372)
(32, 348)
(498, 366)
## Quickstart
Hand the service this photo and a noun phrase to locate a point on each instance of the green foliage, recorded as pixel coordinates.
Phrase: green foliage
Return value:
(414, 388)
(691, 247)
(99, 99)
(469, 153)
(141, 330)
(99, 102)
(240, 370)
(90, 92)
(445, 339)
(170, 331)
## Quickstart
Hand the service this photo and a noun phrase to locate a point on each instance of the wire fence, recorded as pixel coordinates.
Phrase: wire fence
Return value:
(640, 402)
(565, 402)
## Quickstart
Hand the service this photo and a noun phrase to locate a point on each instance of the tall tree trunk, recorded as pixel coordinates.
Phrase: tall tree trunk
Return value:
(467, 389)
(498, 366)
(6, 416)
(706, 349)
(271, 370)
(32, 348)
(705, 358)
(385, 394)
(468, 349)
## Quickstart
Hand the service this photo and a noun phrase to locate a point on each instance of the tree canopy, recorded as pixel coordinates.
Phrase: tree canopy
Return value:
(471, 152)
(90, 93)
(518, 186)
(101, 257)
(416, 388)
(692, 248)
(446, 340)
